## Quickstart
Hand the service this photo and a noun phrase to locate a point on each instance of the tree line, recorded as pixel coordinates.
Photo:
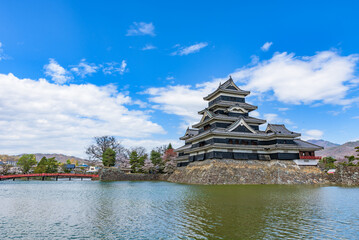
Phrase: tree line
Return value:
(110, 151)
(332, 163)
(28, 162)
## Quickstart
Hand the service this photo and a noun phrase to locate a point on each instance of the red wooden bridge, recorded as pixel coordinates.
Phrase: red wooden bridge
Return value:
(52, 175)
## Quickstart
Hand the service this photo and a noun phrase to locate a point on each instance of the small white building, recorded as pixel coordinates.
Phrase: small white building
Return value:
(93, 169)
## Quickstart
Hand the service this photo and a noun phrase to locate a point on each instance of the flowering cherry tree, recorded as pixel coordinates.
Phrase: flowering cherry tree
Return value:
(148, 166)
(125, 163)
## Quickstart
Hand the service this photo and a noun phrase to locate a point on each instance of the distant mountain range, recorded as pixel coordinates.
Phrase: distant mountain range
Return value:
(334, 150)
(59, 157)
(323, 143)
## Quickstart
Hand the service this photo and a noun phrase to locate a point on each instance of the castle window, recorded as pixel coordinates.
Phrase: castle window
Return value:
(208, 126)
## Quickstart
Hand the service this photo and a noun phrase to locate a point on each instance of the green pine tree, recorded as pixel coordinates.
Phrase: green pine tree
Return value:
(109, 157)
(328, 162)
(52, 165)
(157, 160)
(136, 161)
(142, 160)
(26, 162)
(47, 165)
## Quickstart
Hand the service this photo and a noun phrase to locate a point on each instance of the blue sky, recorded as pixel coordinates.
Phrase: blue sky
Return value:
(71, 70)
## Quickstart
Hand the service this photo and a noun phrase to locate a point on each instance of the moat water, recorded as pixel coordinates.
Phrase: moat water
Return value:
(161, 210)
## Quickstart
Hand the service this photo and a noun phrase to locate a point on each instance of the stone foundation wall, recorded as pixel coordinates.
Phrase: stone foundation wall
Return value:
(114, 174)
(345, 175)
(247, 172)
(242, 172)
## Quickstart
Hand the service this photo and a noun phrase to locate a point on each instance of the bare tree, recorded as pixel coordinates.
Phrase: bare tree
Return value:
(162, 149)
(141, 151)
(95, 151)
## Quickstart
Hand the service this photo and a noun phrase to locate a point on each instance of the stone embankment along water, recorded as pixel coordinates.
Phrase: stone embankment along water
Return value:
(247, 172)
(114, 174)
(242, 172)
(345, 175)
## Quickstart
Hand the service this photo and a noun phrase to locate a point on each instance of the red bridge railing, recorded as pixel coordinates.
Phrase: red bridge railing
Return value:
(310, 157)
(49, 175)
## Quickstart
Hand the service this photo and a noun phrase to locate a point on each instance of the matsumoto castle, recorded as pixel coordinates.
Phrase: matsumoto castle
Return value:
(226, 131)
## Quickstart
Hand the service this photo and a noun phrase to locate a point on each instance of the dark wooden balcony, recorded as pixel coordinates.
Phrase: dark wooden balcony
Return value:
(310, 157)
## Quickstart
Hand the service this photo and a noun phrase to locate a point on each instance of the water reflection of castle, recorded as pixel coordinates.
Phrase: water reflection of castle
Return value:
(226, 131)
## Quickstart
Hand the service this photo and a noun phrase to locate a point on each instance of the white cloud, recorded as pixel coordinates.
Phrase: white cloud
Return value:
(266, 46)
(148, 47)
(356, 117)
(140, 103)
(254, 59)
(83, 68)
(38, 116)
(275, 119)
(271, 117)
(312, 134)
(57, 73)
(150, 144)
(114, 67)
(283, 109)
(255, 114)
(181, 100)
(60, 75)
(170, 78)
(2, 55)
(334, 113)
(324, 77)
(141, 28)
(190, 49)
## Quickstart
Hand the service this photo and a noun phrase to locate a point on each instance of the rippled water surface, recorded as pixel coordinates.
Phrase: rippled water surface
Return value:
(161, 210)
